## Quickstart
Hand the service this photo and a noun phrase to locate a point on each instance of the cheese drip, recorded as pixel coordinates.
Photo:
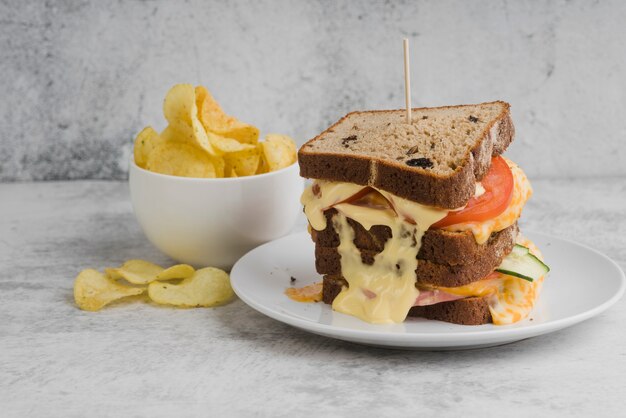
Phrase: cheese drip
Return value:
(381, 293)
(328, 195)
(384, 292)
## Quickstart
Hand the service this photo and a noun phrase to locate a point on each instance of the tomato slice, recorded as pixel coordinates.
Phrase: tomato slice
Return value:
(498, 185)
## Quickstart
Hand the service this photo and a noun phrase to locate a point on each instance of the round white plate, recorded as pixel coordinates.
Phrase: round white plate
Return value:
(261, 276)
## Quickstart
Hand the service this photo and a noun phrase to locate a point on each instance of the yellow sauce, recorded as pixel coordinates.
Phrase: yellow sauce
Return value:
(330, 193)
(381, 293)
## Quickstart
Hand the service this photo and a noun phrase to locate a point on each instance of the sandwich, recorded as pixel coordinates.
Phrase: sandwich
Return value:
(420, 219)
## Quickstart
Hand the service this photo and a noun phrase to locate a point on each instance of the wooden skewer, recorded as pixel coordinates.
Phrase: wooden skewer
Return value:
(407, 80)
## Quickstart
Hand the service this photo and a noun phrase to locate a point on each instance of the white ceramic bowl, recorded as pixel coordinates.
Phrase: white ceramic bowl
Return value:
(213, 222)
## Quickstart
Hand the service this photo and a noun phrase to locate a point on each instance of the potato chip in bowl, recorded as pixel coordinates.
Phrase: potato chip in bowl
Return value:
(204, 142)
(207, 189)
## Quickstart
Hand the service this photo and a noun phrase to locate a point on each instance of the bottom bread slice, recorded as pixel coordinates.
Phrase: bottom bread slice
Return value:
(468, 311)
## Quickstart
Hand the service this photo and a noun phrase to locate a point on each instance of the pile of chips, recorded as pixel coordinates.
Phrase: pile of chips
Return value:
(180, 285)
(202, 141)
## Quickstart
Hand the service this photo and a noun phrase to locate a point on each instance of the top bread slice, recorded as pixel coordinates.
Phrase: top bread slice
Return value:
(435, 160)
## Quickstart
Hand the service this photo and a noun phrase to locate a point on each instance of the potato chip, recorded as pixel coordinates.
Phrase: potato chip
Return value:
(200, 137)
(215, 120)
(195, 136)
(172, 134)
(112, 273)
(227, 144)
(179, 105)
(277, 153)
(287, 141)
(137, 271)
(262, 167)
(184, 134)
(228, 169)
(142, 272)
(207, 287)
(178, 159)
(181, 112)
(202, 141)
(179, 271)
(93, 290)
(219, 165)
(244, 163)
(145, 142)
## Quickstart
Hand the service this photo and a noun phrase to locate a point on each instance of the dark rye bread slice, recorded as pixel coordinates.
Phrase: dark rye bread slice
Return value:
(328, 261)
(435, 160)
(468, 311)
(438, 246)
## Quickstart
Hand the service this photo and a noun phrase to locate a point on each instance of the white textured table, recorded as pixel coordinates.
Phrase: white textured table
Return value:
(141, 360)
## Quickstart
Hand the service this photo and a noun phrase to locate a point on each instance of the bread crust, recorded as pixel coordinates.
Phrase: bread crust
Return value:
(468, 311)
(416, 184)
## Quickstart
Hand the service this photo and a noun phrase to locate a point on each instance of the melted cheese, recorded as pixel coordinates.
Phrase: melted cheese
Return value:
(521, 193)
(516, 297)
(366, 216)
(510, 298)
(381, 293)
(329, 194)
(384, 292)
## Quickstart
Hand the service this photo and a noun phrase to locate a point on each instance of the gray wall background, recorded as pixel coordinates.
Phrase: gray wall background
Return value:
(80, 78)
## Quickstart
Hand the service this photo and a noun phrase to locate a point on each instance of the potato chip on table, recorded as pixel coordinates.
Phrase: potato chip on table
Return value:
(202, 288)
(145, 272)
(93, 290)
(205, 288)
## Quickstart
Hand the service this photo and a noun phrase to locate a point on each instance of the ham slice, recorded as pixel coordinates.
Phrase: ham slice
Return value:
(430, 297)
(313, 293)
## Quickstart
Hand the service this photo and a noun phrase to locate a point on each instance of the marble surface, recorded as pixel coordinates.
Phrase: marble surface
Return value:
(81, 78)
(136, 359)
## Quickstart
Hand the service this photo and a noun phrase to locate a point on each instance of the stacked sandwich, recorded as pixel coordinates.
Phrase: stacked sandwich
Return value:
(420, 218)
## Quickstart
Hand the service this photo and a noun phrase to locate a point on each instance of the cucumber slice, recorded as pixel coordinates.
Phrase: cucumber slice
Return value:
(521, 263)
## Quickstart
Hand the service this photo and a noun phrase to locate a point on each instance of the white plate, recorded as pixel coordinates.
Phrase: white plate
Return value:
(262, 275)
